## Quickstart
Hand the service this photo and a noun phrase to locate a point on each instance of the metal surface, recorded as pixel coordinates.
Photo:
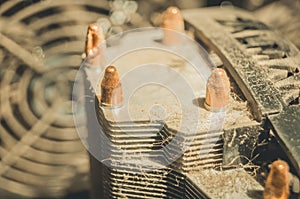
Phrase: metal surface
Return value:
(264, 65)
(41, 155)
(244, 45)
(249, 51)
(136, 167)
(282, 16)
(234, 183)
(286, 128)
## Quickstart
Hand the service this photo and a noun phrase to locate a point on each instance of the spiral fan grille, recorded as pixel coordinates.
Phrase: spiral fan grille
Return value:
(40, 50)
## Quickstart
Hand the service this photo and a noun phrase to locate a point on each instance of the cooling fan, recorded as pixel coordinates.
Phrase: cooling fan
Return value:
(40, 51)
